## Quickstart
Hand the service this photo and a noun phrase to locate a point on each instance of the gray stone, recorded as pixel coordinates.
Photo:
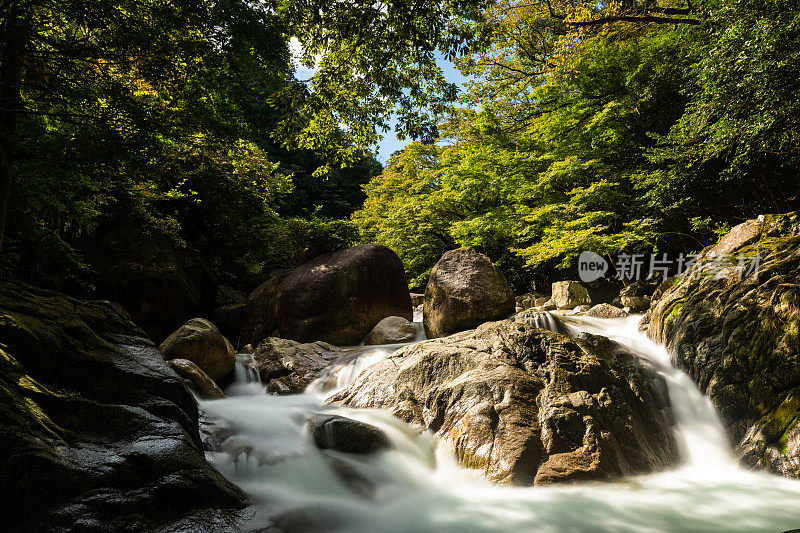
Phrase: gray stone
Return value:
(199, 341)
(333, 432)
(525, 405)
(196, 379)
(569, 294)
(287, 366)
(392, 330)
(606, 311)
(465, 290)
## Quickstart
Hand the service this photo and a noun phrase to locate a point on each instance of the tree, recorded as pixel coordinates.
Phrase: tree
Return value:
(119, 86)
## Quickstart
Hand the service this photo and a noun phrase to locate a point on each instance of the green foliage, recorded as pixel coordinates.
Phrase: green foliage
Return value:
(612, 137)
(404, 210)
(186, 118)
(736, 151)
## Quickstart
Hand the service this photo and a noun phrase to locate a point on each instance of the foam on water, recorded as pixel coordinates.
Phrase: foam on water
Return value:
(419, 487)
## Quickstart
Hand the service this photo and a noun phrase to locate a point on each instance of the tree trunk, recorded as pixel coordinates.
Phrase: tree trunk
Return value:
(11, 56)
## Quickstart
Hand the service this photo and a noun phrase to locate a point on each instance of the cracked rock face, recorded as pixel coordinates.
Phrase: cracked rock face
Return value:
(526, 405)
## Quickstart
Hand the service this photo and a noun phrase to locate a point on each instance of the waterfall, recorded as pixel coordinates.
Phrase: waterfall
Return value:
(246, 379)
(701, 437)
(419, 487)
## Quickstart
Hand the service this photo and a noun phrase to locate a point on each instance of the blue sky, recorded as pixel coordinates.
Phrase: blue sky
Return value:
(390, 143)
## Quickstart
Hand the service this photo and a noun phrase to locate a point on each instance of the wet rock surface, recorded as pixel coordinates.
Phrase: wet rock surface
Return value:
(287, 366)
(528, 406)
(196, 379)
(333, 432)
(97, 433)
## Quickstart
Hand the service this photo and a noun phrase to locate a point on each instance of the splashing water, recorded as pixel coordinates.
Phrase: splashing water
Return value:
(418, 486)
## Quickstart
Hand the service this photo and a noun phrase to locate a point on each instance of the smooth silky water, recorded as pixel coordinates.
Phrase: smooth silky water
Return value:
(418, 486)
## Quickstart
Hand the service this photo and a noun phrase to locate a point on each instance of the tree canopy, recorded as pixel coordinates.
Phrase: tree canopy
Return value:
(186, 117)
(626, 126)
(600, 127)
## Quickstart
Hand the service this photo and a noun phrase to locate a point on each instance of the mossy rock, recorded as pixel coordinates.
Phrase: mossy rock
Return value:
(738, 340)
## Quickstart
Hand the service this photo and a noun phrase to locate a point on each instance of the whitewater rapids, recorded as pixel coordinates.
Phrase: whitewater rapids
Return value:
(419, 487)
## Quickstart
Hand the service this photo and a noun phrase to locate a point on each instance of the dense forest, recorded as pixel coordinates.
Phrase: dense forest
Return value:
(631, 126)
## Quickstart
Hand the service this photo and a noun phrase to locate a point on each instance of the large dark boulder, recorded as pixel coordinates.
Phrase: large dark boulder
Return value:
(97, 433)
(259, 318)
(145, 274)
(738, 338)
(465, 290)
(525, 405)
(337, 298)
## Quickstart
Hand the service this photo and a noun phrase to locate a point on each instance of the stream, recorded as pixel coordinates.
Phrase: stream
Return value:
(419, 487)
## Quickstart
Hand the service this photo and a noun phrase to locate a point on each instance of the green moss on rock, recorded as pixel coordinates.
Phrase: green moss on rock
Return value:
(738, 340)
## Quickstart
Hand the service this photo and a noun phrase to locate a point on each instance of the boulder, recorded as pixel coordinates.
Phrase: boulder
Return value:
(738, 236)
(196, 379)
(606, 311)
(337, 298)
(602, 291)
(528, 301)
(97, 433)
(144, 273)
(333, 432)
(541, 301)
(287, 366)
(227, 295)
(528, 406)
(258, 321)
(199, 341)
(738, 340)
(416, 298)
(581, 309)
(465, 290)
(392, 330)
(569, 294)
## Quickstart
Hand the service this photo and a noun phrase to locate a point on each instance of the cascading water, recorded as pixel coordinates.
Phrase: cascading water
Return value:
(246, 379)
(418, 487)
